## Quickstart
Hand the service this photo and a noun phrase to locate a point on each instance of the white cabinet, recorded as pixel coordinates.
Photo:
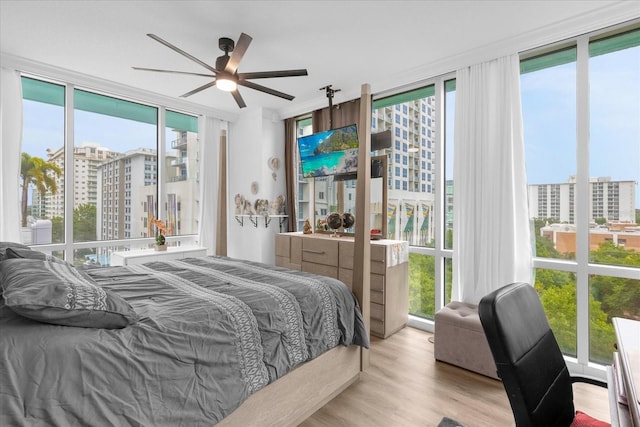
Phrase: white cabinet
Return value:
(140, 256)
(333, 257)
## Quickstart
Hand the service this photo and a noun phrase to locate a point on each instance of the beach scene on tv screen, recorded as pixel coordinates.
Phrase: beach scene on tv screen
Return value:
(329, 153)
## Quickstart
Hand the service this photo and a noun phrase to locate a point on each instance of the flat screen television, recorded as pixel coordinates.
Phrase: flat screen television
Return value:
(332, 152)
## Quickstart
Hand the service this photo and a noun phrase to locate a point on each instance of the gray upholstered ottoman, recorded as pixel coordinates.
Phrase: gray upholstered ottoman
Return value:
(459, 339)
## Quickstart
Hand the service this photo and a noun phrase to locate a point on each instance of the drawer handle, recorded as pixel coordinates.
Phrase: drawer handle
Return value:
(313, 251)
(381, 261)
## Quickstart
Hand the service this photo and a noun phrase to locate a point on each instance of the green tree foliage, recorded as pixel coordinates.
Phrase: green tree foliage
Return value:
(39, 173)
(422, 295)
(84, 223)
(422, 285)
(620, 297)
(559, 302)
(57, 229)
(608, 297)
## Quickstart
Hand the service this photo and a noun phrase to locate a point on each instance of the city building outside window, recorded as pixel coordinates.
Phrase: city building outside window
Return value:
(582, 168)
(103, 185)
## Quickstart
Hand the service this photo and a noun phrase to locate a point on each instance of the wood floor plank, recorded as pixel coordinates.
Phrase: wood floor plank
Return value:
(406, 386)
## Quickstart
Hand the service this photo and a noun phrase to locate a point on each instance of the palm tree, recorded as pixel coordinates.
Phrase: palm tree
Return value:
(40, 173)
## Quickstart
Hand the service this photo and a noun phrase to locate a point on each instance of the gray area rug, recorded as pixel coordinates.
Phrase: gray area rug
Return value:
(448, 422)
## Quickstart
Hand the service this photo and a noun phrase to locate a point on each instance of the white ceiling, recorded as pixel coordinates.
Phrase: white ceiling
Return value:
(388, 44)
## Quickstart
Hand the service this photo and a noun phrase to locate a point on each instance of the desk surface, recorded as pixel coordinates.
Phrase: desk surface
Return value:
(628, 342)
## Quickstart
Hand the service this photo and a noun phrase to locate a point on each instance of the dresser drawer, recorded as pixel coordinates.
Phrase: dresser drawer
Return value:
(283, 246)
(377, 297)
(377, 282)
(377, 327)
(296, 250)
(346, 255)
(378, 257)
(320, 251)
(377, 311)
(321, 269)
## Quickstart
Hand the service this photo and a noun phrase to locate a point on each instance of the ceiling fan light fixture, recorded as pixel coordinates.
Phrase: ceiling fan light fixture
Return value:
(226, 84)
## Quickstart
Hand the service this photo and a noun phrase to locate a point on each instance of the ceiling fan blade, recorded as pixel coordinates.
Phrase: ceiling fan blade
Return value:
(199, 89)
(261, 88)
(238, 52)
(183, 53)
(238, 98)
(269, 74)
(171, 71)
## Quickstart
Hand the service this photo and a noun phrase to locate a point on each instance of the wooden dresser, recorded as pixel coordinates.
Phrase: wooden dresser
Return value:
(333, 257)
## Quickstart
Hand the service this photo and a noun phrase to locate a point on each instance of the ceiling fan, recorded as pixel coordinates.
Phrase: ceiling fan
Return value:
(225, 75)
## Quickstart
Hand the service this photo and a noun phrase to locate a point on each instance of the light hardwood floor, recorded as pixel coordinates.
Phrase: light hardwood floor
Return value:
(405, 386)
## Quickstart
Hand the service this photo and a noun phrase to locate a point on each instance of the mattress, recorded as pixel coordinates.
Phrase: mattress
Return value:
(210, 332)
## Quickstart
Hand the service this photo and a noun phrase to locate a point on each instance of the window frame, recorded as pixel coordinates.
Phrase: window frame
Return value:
(581, 266)
(68, 247)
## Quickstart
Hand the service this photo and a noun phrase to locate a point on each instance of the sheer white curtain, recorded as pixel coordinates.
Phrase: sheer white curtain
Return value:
(10, 146)
(492, 245)
(209, 136)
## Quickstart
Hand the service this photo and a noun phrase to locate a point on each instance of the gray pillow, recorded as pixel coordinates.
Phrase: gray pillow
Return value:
(57, 293)
(29, 254)
(6, 245)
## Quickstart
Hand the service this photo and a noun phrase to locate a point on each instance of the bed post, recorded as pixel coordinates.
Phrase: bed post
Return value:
(362, 245)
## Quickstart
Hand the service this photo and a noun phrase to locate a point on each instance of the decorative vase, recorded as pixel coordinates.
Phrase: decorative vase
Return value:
(161, 248)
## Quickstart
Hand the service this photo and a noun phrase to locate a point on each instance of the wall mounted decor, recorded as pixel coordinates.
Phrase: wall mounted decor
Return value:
(262, 207)
(274, 165)
(277, 206)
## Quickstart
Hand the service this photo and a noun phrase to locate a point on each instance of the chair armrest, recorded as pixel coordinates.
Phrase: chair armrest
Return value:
(588, 380)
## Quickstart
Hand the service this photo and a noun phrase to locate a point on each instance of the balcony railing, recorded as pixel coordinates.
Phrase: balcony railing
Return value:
(180, 142)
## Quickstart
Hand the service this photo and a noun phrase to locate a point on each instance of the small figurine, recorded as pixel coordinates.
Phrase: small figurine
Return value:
(239, 200)
(306, 228)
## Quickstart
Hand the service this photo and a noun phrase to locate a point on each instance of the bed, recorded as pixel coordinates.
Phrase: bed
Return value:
(192, 342)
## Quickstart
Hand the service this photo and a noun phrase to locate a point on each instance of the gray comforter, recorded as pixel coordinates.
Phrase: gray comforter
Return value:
(212, 331)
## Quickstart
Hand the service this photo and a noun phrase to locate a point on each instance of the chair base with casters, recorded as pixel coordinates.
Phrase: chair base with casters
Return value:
(529, 361)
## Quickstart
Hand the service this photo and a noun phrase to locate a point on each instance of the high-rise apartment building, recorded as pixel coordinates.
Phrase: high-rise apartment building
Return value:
(610, 200)
(128, 188)
(410, 167)
(86, 159)
(126, 184)
(410, 174)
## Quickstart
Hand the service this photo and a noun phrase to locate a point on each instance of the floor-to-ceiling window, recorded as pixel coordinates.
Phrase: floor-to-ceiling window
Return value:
(41, 178)
(93, 173)
(581, 110)
(419, 199)
(420, 187)
(305, 187)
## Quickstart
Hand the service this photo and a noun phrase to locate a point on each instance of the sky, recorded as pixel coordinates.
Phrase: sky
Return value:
(549, 116)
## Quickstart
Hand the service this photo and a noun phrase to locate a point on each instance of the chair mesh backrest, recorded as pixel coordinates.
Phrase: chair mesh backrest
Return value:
(527, 356)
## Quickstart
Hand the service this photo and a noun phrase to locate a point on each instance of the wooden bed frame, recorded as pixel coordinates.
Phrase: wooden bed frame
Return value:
(296, 396)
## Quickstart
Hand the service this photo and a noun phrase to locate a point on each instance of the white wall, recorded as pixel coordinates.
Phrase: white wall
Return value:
(255, 137)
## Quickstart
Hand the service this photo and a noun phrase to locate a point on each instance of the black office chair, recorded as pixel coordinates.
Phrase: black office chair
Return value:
(529, 360)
